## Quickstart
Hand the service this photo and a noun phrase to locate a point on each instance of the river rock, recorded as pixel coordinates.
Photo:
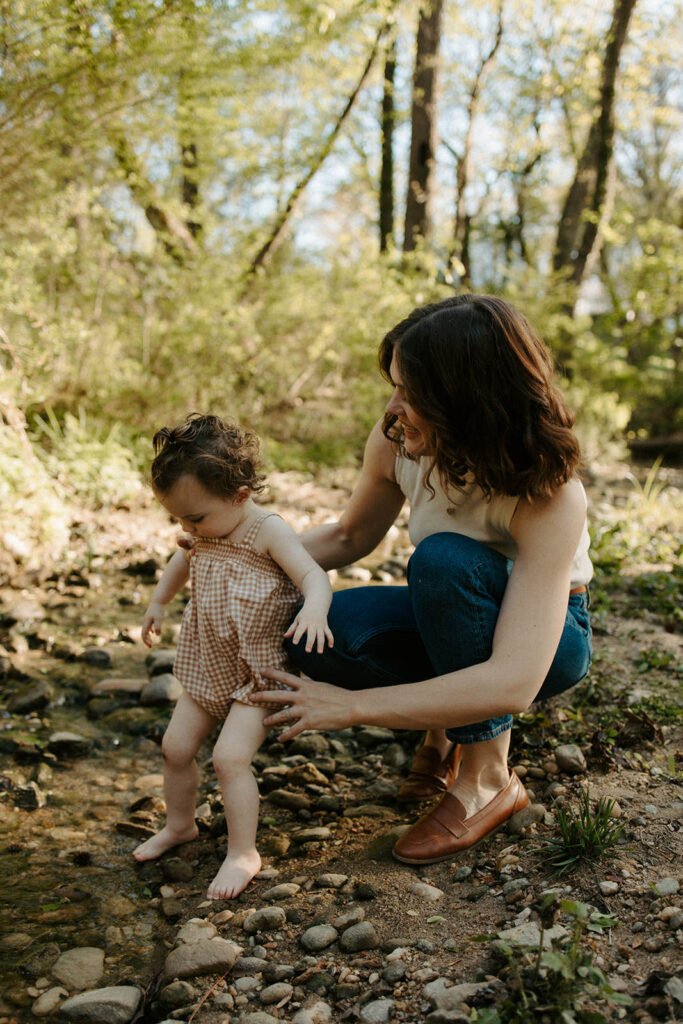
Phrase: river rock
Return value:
(570, 759)
(48, 1001)
(312, 835)
(318, 937)
(444, 995)
(30, 796)
(666, 887)
(354, 915)
(528, 815)
(80, 968)
(528, 934)
(161, 689)
(207, 956)
(159, 661)
(358, 937)
(379, 1011)
(426, 892)
(115, 1005)
(65, 745)
(177, 994)
(268, 919)
(290, 799)
(310, 744)
(31, 697)
(275, 993)
(330, 881)
(282, 891)
(96, 656)
(259, 1017)
(195, 930)
(381, 846)
(318, 1012)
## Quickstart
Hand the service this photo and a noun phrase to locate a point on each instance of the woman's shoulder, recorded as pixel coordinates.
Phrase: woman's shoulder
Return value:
(380, 454)
(563, 513)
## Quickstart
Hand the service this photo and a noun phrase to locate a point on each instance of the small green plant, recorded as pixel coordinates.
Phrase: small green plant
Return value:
(555, 984)
(586, 836)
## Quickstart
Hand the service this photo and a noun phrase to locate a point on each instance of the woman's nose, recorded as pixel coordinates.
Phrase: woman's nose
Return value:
(394, 404)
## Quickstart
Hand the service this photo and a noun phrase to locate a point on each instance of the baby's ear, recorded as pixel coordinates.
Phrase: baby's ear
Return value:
(242, 494)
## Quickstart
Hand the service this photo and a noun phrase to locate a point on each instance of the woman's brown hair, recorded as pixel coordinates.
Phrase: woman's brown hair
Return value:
(221, 455)
(475, 369)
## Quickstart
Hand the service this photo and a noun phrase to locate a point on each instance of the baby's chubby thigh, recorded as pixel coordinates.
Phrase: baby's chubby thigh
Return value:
(242, 734)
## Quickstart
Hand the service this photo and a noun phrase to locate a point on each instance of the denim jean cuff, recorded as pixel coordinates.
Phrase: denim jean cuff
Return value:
(480, 731)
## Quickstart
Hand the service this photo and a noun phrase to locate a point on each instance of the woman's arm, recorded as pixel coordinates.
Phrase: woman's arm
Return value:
(374, 505)
(527, 634)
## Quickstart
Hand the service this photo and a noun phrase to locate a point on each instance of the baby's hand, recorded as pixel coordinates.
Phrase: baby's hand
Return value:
(315, 628)
(151, 624)
(187, 543)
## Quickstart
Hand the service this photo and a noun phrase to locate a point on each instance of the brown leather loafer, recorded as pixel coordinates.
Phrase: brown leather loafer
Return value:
(429, 775)
(445, 831)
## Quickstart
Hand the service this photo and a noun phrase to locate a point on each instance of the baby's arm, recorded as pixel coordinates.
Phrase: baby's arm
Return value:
(283, 545)
(174, 576)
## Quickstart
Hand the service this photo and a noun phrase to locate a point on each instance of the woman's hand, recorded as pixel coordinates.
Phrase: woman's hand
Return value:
(306, 705)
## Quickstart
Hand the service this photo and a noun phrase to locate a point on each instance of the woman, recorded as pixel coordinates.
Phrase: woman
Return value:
(495, 614)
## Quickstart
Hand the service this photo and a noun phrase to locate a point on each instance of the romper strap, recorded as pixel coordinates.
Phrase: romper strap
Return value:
(253, 530)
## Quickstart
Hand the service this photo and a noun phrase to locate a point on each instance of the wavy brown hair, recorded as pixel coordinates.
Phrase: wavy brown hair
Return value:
(221, 455)
(475, 369)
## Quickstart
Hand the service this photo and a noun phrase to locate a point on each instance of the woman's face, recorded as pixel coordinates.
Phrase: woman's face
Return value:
(417, 431)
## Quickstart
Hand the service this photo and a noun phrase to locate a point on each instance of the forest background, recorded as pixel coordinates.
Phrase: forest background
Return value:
(224, 204)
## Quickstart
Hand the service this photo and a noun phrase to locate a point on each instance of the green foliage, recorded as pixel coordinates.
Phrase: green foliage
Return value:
(555, 984)
(585, 837)
(91, 465)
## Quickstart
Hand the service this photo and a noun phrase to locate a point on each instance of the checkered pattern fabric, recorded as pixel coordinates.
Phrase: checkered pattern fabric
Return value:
(240, 606)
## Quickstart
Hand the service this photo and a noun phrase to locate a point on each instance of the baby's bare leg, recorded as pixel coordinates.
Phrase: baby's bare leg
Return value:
(240, 738)
(189, 725)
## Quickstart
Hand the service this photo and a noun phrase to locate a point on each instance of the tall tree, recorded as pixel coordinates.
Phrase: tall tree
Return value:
(587, 202)
(424, 132)
(386, 181)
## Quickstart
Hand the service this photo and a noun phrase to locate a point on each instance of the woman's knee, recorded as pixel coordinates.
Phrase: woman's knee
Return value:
(445, 557)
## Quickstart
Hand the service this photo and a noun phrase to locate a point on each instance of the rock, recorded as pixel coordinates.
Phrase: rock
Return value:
(80, 968)
(195, 930)
(570, 759)
(117, 686)
(290, 799)
(48, 1001)
(310, 744)
(65, 745)
(444, 995)
(15, 942)
(177, 870)
(247, 966)
(115, 1005)
(379, 1011)
(527, 816)
(528, 934)
(177, 994)
(96, 656)
(207, 956)
(161, 689)
(371, 736)
(608, 888)
(282, 891)
(318, 1012)
(259, 1017)
(277, 972)
(160, 661)
(319, 937)
(331, 881)
(268, 919)
(24, 611)
(394, 972)
(275, 845)
(381, 846)
(354, 915)
(30, 797)
(306, 774)
(426, 892)
(369, 811)
(276, 993)
(358, 937)
(33, 696)
(460, 874)
(312, 835)
(666, 887)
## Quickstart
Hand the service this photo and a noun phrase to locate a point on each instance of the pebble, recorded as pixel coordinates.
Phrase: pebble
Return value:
(379, 1011)
(359, 937)
(80, 968)
(276, 993)
(177, 994)
(115, 1005)
(460, 874)
(207, 956)
(394, 972)
(354, 915)
(319, 937)
(666, 887)
(527, 816)
(259, 1017)
(196, 929)
(570, 758)
(528, 934)
(608, 888)
(318, 1012)
(47, 1002)
(312, 835)
(65, 745)
(266, 920)
(426, 892)
(282, 891)
(33, 696)
(161, 689)
(331, 881)
(444, 995)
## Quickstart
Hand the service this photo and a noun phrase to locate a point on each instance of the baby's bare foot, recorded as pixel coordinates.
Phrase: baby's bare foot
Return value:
(237, 871)
(165, 840)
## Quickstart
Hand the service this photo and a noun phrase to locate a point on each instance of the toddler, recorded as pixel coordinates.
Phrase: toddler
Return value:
(248, 571)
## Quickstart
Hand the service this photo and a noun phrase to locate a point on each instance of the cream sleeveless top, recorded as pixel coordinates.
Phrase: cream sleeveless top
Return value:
(468, 512)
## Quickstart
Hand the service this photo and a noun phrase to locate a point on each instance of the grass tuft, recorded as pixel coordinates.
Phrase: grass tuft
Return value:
(586, 836)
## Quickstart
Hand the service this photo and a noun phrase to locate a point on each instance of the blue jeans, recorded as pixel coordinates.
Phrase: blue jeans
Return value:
(442, 621)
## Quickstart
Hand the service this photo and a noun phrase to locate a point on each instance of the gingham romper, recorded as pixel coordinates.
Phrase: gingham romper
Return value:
(240, 606)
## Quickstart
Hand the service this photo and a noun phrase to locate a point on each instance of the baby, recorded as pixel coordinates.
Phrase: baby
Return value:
(248, 572)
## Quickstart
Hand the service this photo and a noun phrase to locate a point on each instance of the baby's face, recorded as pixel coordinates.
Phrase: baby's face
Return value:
(202, 513)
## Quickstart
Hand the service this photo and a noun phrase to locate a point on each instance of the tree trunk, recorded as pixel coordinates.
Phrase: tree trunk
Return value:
(421, 175)
(266, 251)
(579, 231)
(386, 182)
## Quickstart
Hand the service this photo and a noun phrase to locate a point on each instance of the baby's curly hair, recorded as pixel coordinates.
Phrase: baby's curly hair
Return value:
(221, 455)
